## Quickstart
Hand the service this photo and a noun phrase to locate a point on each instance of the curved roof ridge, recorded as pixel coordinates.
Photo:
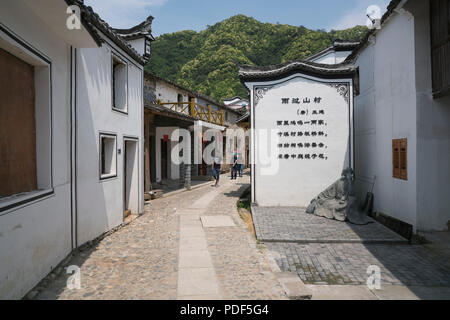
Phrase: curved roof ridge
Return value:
(247, 72)
(92, 21)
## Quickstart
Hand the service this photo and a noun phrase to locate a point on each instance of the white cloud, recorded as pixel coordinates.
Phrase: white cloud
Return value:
(124, 13)
(357, 15)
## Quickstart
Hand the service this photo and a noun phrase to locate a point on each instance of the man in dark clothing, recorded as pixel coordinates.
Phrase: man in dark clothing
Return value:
(235, 166)
(217, 167)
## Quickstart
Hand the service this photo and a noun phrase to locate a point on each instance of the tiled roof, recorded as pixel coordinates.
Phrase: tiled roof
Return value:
(338, 45)
(92, 22)
(243, 117)
(195, 94)
(252, 73)
(143, 29)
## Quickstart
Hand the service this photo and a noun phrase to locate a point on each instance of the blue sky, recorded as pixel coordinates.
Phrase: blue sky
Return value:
(175, 15)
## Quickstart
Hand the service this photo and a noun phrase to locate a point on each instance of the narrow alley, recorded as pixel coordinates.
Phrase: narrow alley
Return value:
(192, 245)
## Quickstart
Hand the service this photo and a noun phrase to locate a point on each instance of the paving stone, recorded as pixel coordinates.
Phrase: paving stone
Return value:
(217, 221)
(341, 292)
(195, 259)
(201, 297)
(193, 243)
(197, 281)
(409, 265)
(186, 232)
(292, 224)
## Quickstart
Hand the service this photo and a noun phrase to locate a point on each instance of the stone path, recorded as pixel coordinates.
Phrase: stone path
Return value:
(183, 247)
(194, 245)
(327, 252)
(336, 264)
(290, 224)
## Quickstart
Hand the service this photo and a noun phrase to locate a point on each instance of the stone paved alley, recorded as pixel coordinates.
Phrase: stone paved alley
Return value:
(194, 245)
(147, 260)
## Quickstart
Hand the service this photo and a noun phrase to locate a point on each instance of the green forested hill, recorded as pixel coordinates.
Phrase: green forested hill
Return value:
(207, 61)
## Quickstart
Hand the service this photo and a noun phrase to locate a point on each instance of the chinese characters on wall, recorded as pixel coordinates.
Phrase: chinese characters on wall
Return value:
(305, 136)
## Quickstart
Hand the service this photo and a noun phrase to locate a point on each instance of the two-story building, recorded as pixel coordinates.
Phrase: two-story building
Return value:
(402, 114)
(71, 127)
(169, 106)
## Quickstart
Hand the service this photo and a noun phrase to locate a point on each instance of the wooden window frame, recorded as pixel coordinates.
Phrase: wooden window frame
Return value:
(400, 159)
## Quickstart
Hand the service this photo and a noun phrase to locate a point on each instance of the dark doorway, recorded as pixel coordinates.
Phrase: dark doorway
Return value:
(163, 160)
(131, 177)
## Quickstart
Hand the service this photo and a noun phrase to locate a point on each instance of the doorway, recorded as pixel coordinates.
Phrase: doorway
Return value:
(164, 159)
(131, 177)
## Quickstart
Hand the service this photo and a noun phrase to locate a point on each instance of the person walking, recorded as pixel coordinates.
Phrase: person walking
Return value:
(217, 168)
(234, 167)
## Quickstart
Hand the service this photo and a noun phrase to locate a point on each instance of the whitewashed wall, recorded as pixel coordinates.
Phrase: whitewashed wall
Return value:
(101, 202)
(433, 132)
(295, 182)
(332, 57)
(168, 93)
(36, 236)
(384, 110)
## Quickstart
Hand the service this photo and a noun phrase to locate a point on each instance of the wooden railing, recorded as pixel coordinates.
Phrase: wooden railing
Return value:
(198, 111)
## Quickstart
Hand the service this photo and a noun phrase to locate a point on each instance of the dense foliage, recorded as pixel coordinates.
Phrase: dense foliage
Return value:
(207, 61)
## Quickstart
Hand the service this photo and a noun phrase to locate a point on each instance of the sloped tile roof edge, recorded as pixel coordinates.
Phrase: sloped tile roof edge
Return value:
(253, 73)
(196, 94)
(338, 45)
(390, 9)
(92, 22)
(244, 117)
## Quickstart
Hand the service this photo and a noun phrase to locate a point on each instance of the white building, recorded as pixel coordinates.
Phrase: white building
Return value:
(169, 106)
(402, 114)
(337, 53)
(71, 118)
(237, 103)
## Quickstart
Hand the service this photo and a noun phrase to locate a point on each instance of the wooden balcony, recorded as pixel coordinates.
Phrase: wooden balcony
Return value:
(198, 111)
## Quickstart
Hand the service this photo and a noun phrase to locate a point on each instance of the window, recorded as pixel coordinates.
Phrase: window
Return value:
(399, 159)
(147, 48)
(440, 46)
(18, 158)
(25, 123)
(108, 156)
(119, 84)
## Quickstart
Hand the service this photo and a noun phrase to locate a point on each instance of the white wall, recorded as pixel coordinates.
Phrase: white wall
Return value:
(295, 182)
(332, 57)
(36, 236)
(101, 202)
(433, 132)
(385, 110)
(138, 45)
